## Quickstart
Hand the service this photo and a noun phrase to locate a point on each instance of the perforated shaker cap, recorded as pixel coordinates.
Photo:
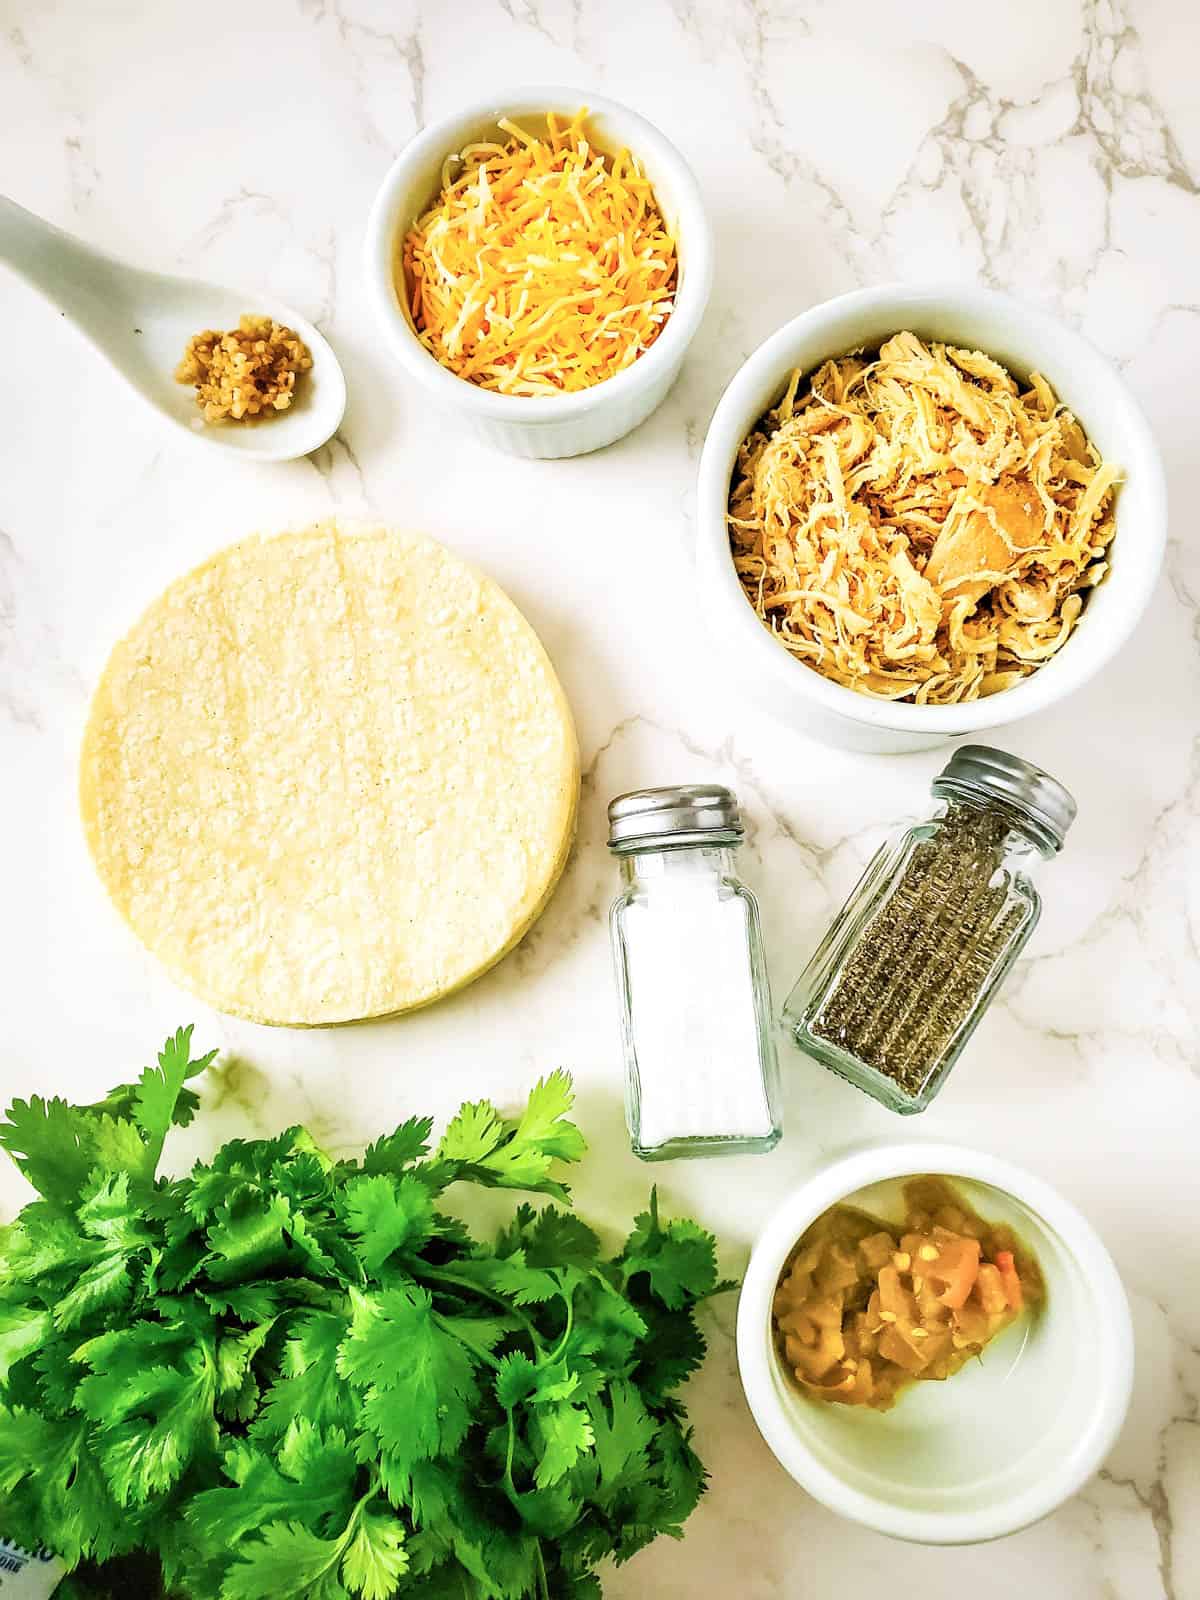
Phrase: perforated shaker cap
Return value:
(690, 813)
(981, 772)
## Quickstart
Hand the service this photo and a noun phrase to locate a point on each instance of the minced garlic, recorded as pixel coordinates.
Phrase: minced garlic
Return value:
(913, 525)
(249, 372)
(544, 267)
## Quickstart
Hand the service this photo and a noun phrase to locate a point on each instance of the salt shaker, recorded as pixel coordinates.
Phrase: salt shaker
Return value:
(701, 1074)
(943, 910)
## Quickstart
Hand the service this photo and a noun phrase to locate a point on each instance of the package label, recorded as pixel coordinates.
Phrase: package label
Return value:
(27, 1574)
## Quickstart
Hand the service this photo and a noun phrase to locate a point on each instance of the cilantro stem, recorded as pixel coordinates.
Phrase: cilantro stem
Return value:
(476, 1351)
(562, 1343)
(543, 1585)
(440, 1275)
(508, 1459)
(511, 1492)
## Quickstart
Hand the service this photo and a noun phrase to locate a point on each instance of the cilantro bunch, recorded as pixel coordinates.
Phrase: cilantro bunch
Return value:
(290, 1376)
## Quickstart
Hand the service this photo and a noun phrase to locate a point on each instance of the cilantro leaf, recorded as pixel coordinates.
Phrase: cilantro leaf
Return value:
(510, 1277)
(679, 1258)
(237, 1388)
(72, 1509)
(247, 1236)
(152, 1419)
(107, 1216)
(104, 1286)
(516, 1379)
(25, 1439)
(523, 1158)
(478, 1336)
(393, 1153)
(672, 1350)
(248, 1302)
(682, 1476)
(514, 1155)
(386, 1214)
(558, 1238)
(549, 1512)
(324, 1252)
(57, 1376)
(565, 1432)
(57, 1145)
(544, 1120)
(106, 1213)
(419, 1380)
(556, 1380)
(312, 1482)
(375, 1558)
(161, 1100)
(473, 1134)
(308, 1385)
(512, 1237)
(287, 1563)
(22, 1330)
(622, 1431)
(42, 1242)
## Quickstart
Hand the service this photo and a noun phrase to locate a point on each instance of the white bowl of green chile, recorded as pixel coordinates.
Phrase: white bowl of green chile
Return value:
(909, 966)
(944, 1359)
(924, 511)
(539, 262)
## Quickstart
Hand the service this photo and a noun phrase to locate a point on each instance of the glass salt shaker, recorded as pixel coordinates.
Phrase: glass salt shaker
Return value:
(901, 980)
(701, 1075)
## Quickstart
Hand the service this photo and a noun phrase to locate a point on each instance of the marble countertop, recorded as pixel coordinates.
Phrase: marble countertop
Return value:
(1045, 146)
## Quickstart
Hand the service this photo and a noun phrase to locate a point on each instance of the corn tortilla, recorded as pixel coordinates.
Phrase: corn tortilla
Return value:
(329, 775)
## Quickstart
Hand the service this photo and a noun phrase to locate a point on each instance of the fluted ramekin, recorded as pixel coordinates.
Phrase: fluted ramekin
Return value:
(560, 425)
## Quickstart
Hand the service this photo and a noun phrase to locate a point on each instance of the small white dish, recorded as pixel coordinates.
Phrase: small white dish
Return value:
(571, 424)
(142, 321)
(1002, 1443)
(1022, 339)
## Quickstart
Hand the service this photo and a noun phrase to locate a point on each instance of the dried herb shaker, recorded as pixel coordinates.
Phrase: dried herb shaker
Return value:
(902, 978)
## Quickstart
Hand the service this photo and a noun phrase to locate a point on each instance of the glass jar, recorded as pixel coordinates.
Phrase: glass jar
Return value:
(903, 977)
(701, 1074)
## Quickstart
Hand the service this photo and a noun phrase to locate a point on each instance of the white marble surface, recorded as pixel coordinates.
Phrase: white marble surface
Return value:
(1041, 145)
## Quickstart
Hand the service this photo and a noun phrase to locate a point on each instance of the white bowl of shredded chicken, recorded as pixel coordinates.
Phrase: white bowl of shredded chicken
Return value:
(539, 263)
(923, 512)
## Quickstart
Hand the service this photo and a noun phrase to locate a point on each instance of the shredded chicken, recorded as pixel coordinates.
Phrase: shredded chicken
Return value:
(915, 526)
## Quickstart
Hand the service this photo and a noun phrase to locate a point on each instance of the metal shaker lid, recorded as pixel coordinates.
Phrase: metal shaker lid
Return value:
(978, 771)
(690, 813)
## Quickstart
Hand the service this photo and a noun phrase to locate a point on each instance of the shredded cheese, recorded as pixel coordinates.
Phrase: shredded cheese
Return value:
(543, 267)
(914, 526)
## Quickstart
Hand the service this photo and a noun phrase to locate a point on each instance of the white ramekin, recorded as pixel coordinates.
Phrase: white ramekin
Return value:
(572, 424)
(1023, 339)
(1002, 1443)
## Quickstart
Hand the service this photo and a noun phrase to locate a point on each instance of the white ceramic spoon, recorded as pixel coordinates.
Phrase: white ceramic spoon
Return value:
(143, 320)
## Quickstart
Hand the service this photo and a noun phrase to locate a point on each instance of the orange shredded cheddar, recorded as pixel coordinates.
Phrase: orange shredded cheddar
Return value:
(543, 267)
